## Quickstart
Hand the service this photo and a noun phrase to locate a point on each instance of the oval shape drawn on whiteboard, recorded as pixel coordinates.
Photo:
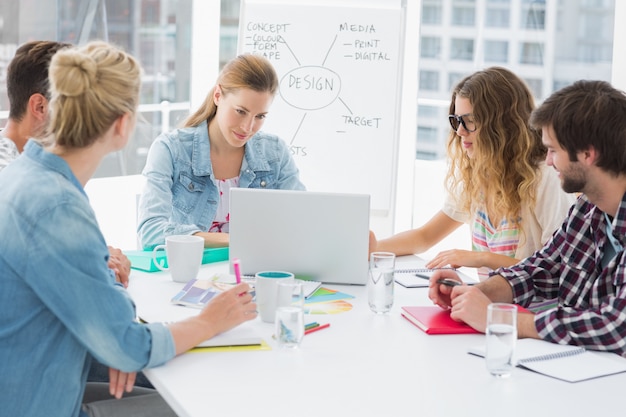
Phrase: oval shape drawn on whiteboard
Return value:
(310, 87)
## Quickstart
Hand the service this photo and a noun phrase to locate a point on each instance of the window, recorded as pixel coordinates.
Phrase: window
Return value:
(535, 85)
(594, 53)
(427, 134)
(558, 84)
(462, 49)
(496, 51)
(463, 16)
(152, 30)
(533, 15)
(454, 78)
(428, 156)
(430, 47)
(597, 3)
(497, 17)
(531, 53)
(429, 80)
(431, 13)
(430, 112)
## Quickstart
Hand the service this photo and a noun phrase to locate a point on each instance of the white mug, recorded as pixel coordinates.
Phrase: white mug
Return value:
(184, 256)
(266, 289)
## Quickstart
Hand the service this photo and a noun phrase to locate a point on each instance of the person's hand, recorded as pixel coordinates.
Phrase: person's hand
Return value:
(120, 382)
(441, 294)
(229, 308)
(455, 258)
(372, 242)
(469, 304)
(120, 264)
(214, 239)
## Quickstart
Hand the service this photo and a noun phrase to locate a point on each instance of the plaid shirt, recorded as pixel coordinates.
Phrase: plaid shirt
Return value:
(591, 310)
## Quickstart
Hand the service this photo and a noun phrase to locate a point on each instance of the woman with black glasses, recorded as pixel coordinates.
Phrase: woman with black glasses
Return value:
(497, 180)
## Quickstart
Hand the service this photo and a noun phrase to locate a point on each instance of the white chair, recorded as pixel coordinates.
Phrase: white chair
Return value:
(114, 200)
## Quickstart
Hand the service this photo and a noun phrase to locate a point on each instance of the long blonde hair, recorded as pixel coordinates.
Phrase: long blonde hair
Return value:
(91, 86)
(245, 71)
(503, 172)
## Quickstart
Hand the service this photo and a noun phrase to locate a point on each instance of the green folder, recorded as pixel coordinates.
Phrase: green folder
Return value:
(140, 259)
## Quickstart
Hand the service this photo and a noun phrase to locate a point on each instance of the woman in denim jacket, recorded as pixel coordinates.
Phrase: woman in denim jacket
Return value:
(191, 170)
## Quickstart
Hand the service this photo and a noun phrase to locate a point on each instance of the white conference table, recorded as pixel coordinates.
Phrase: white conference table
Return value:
(363, 364)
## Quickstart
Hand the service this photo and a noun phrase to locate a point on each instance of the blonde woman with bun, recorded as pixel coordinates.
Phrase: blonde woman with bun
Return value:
(60, 305)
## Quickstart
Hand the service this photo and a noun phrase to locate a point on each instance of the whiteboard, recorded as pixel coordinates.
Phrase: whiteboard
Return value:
(338, 103)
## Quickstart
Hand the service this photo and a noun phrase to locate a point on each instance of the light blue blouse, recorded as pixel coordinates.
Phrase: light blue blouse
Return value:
(180, 196)
(59, 303)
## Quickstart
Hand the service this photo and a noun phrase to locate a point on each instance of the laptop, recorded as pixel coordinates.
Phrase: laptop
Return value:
(317, 236)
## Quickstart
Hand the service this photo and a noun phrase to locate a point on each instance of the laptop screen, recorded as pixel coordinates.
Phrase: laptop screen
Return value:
(315, 235)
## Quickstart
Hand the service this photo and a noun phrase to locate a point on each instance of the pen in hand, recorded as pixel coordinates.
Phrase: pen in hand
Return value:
(449, 282)
(237, 269)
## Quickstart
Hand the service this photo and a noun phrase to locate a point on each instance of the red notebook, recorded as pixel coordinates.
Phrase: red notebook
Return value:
(435, 320)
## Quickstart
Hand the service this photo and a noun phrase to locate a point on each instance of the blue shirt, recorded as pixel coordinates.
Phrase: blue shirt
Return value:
(180, 196)
(59, 303)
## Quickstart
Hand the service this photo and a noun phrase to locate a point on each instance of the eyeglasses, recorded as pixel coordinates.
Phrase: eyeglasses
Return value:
(468, 125)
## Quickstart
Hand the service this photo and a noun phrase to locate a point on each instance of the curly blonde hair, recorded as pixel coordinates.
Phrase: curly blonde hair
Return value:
(503, 173)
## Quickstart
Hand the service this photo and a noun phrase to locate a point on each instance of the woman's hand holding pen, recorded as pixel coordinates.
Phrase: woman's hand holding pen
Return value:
(225, 311)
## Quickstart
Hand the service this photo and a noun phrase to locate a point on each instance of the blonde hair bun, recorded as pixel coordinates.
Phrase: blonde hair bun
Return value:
(90, 87)
(79, 73)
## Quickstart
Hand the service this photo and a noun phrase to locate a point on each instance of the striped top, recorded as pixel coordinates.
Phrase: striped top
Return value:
(539, 221)
(502, 240)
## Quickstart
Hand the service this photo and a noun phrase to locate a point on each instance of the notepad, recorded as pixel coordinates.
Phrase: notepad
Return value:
(435, 320)
(564, 362)
(414, 274)
(244, 335)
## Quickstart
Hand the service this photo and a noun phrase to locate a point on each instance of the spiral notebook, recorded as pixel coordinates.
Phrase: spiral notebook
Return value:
(411, 272)
(565, 362)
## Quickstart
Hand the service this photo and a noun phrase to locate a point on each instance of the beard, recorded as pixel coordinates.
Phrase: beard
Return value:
(573, 180)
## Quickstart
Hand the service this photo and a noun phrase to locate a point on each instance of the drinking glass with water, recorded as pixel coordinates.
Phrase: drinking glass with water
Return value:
(380, 282)
(501, 336)
(289, 323)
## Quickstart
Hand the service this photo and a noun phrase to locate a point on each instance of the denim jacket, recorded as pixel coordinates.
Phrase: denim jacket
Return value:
(180, 196)
(59, 304)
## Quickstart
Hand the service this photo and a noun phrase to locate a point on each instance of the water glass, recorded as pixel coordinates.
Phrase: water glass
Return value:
(380, 282)
(289, 322)
(501, 336)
